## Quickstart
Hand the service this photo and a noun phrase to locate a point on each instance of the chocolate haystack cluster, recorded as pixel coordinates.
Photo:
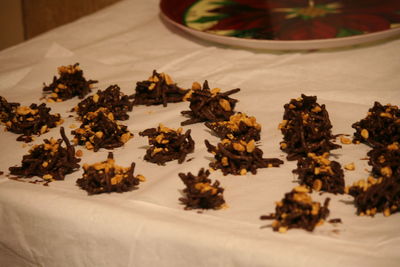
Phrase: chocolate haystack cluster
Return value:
(112, 98)
(381, 127)
(71, 83)
(239, 126)
(238, 157)
(50, 160)
(167, 144)
(376, 195)
(381, 191)
(158, 89)
(320, 173)
(200, 192)
(28, 121)
(298, 210)
(106, 177)
(306, 128)
(385, 160)
(100, 130)
(209, 105)
(6, 108)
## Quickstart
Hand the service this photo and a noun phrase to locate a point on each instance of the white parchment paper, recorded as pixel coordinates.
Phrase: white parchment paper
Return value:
(60, 225)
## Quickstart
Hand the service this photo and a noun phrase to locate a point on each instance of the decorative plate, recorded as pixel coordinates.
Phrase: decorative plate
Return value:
(286, 24)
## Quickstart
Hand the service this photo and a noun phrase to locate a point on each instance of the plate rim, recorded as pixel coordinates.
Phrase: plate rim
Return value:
(283, 44)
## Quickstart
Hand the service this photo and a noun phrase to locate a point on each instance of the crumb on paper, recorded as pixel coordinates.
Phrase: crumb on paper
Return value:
(350, 166)
(345, 140)
(79, 153)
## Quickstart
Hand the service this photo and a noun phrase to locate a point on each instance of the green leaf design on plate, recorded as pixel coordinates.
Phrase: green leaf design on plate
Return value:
(223, 3)
(205, 19)
(250, 33)
(347, 32)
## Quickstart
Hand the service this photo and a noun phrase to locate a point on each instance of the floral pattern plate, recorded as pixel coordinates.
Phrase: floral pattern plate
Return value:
(285, 24)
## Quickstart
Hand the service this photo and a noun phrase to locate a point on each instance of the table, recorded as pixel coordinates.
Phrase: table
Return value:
(60, 225)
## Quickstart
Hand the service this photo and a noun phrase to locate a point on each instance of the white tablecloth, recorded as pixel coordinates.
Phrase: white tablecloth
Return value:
(60, 225)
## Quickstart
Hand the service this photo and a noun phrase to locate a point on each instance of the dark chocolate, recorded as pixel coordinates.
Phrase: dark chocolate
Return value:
(100, 130)
(298, 210)
(7, 109)
(238, 157)
(112, 98)
(106, 177)
(239, 126)
(209, 105)
(385, 160)
(71, 83)
(50, 160)
(320, 173)
(158, 89)
(167, 144)
(376, 195)
(381, 126)
(32, 120)
(306, 128)
(200, 192)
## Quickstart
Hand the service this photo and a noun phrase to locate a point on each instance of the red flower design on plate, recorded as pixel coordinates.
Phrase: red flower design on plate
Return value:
(304, 19)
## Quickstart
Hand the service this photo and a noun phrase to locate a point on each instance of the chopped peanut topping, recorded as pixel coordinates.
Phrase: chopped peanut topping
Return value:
(386, 115)
(215, 91)
(301, 189)
(394, 146)
(23, 110)
(153, 79)
(317, 185)
(61, 86)
(79, 153)
(159, 138)
(156, 150)
(204, 187)
(387, 171)
(89, 145)
(110, 116)
(187, 95)
(345, 140)
(350, 166)
(365, 133)
(282, 229)
(43, 129)
(386, 212)
(302, 197)
(316, 109)
(99, 134)
(315, 208)
(225, 104)
(47, 176)
(250, 146)
(141, 177)
(282, 124)
(95, 98)
(238, 147)
(116, 179)
(196, 86)
(125, 137)
(168, 79)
